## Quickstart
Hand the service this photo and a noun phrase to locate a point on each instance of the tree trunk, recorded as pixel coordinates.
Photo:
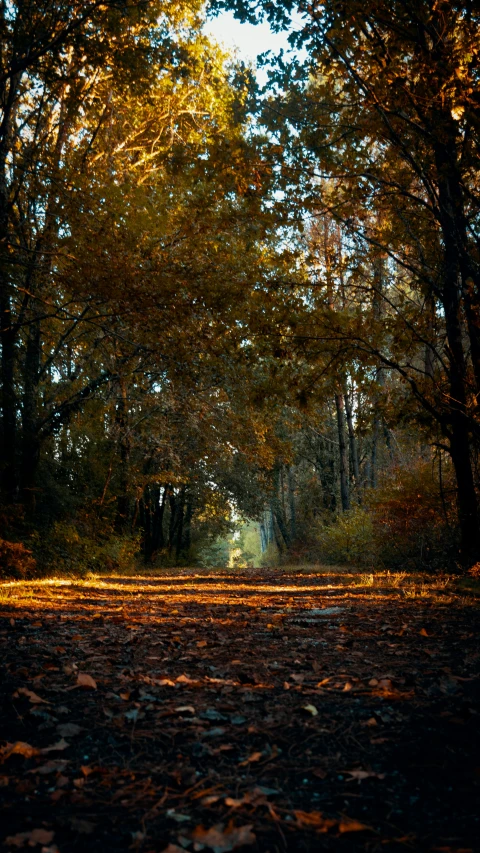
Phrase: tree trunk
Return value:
(158, 539)
(8, 470)
(466, 496)
(180, 512)
(9, 399)
(187, 526)
(460, 441)
(123, 498)
(343, 455)
(291, 500)
(352, 440)
(30, 437)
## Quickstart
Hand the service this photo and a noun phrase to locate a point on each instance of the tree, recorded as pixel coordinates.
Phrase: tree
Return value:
(387, 108)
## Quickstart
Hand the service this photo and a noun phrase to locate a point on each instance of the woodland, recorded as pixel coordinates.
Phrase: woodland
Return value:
(223, 303)
(239, 428)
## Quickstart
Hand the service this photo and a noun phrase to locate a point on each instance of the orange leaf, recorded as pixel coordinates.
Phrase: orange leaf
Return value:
(36, 700)
(222, 841)
(255, 756)
(350, 825)
(85, 680)
(314, 819)
(36, 836)
(20, 748)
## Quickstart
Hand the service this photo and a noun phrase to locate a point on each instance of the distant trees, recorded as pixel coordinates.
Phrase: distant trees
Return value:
(380, 131)
(200, 311)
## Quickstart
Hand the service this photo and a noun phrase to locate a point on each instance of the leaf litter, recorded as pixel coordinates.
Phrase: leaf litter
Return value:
(219, 712)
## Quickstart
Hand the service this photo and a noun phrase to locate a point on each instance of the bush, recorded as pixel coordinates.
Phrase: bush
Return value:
(404, 524)
(349, 539)
(415, 528)
(16, 561)
(75, 549)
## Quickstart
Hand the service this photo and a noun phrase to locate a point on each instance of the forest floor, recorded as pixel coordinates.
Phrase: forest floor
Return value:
(261, 710)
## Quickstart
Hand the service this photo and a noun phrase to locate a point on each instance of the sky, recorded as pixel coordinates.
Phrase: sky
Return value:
(249, 39)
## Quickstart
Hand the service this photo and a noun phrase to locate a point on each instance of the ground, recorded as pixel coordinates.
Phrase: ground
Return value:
(261, 711)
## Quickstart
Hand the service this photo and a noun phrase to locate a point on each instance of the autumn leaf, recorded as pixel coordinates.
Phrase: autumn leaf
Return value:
(20, 748)
(351, 825)
(173, 848)
(314, 819)
(255, 756)
(56, 765)
(36, 836)
(222, 841)
(34, 699)
(364, 774)
(85, 680)
(56, 747)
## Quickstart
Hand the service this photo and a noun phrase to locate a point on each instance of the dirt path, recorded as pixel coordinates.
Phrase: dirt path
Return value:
(259, 712)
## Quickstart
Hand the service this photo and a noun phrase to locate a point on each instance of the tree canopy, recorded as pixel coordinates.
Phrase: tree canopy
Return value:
(218, 301)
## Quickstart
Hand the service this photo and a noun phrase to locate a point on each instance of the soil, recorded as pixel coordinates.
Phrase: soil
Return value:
(255, 710)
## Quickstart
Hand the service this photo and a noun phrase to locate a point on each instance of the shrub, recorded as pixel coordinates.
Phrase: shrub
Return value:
(349, 539)
(16, 561)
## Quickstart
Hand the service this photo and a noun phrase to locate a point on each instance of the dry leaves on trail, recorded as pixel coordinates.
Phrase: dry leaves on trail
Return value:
(34, 699)
(85, 680)
(19, 748)
(255, 756)
(36, 836)
(348, 825)
(360, 774)
(222, 840)
(201, 720)
(315, 820)
(56, 747)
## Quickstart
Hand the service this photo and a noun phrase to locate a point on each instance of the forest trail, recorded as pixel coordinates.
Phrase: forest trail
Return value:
(261, 710)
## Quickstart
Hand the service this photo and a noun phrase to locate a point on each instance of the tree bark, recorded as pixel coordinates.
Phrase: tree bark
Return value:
(342, 452)
(123, 497)
(30, 436)
(352, 440)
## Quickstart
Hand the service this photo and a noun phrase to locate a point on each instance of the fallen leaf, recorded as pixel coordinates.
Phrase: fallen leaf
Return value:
(56, 765)
(363, 774)
(210, 799)
(85, 680)
(350, 825)
(184, 679)
(423, 632)
(255, 756)
(36, 700)
(314, 819)
(36, 836)
(69, 729)
(222, 841)
(56, 747)
(20, 748)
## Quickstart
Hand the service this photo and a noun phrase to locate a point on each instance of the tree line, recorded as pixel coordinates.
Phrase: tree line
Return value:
(220, 300)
